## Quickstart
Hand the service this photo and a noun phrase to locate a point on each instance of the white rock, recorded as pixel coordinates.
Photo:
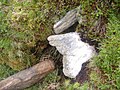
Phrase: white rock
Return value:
(74, 51)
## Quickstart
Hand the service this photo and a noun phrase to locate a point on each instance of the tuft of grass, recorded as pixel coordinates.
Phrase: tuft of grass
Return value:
(5, 71)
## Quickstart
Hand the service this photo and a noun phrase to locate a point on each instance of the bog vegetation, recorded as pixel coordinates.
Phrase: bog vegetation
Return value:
(26, 23)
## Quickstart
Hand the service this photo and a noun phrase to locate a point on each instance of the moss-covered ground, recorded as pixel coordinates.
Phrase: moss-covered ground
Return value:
(26, 24)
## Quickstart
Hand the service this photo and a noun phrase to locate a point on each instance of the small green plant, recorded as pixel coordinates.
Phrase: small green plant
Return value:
(75, 86)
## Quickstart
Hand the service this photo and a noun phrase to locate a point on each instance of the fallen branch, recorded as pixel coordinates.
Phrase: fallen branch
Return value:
(27, 77)
(68, 20)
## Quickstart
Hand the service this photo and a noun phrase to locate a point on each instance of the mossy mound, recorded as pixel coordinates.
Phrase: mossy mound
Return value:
(24, 24)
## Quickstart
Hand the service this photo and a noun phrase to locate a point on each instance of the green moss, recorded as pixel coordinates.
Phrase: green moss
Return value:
(103, 24)
(108, 60)
(24, 23)
(94, 14)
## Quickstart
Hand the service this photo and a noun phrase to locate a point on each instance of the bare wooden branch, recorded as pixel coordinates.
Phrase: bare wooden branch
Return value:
(27, 77)
(68, 20)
